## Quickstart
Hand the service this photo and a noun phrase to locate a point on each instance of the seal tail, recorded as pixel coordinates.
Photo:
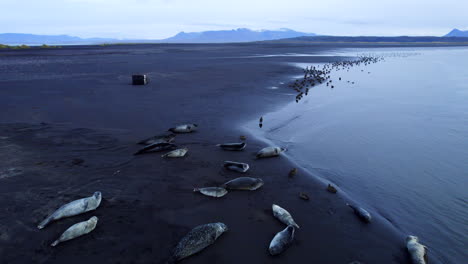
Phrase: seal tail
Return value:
(55, 243)
(44, 222)
(196, 189)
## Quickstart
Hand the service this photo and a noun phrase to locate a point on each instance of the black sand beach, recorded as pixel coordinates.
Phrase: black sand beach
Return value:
(69, 123)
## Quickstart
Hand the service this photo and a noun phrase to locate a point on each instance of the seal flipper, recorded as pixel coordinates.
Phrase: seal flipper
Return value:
(426, 259)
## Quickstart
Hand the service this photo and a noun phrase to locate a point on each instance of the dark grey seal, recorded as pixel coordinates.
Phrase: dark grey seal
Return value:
(197, 239)
(165, 138)
(233, 146)
(282, 241)
(186, 128)
(236, 166)
(244, 183)
(155, 147)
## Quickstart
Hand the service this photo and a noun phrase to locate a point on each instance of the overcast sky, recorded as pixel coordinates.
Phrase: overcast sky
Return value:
(155, 19)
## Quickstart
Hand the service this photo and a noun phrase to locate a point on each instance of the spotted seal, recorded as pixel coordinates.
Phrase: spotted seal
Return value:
(77, 230)
(417, 251)
(283, 215)
(270, 152)
(74, 208)
(197, 239)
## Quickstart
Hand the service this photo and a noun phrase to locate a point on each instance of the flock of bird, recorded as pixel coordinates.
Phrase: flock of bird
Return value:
(315, 75)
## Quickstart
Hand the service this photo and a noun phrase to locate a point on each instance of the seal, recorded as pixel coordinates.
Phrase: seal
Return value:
(244, 183)
(281, 241)
(283, 215)
(269, 152)
(164, 138)
(77, 230)
(197, 239)
(212, 191)
(74, 208)
(236, 166)
(233, 146)
(417, 251)
(185, 128)
(155, 147)
(178, 153)
(361, 213)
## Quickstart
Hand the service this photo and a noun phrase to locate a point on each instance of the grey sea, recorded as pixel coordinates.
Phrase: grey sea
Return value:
(395, 141)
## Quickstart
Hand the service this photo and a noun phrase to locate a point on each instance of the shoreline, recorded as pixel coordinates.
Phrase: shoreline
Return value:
(148, 203)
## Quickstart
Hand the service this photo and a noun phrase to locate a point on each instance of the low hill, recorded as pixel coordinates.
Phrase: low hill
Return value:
(457, 33)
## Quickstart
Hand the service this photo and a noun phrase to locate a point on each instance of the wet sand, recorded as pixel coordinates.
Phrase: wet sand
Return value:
(70, 121)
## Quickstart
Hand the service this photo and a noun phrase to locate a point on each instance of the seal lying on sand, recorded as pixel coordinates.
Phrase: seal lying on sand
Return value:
(283, 215)
(212, 191)
(244, 183)
(178, 153)
(233, 146)
(155, 147)
(236, 166)
(361, 213)
(417, 251)
(282, 241)
(186, 128)
(165, 138)
(269, 152)
(77, 230)
(74, 208)
(197, 239)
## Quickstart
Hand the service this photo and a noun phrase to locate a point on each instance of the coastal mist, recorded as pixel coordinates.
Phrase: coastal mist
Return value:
(395, 141)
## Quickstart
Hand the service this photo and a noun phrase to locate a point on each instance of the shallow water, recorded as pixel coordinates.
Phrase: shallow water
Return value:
(396, 141)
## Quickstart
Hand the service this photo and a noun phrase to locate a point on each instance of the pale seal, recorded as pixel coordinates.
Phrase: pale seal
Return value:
(361, 213)
(212, 191)
(244, 183)
(283, 215)
(197, 239)
(233, 146)
(417, 251)
(282, 241)
(269, 152)
(165, 138)
(74, 208)
(77, 230)
(236, 166)
(178, 153)
(185, 128)
(155, 147)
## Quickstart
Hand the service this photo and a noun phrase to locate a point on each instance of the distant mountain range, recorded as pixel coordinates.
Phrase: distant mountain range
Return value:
(224, 36)
(31, 39)
(235, 35)
(221, 36)
(457, 33)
